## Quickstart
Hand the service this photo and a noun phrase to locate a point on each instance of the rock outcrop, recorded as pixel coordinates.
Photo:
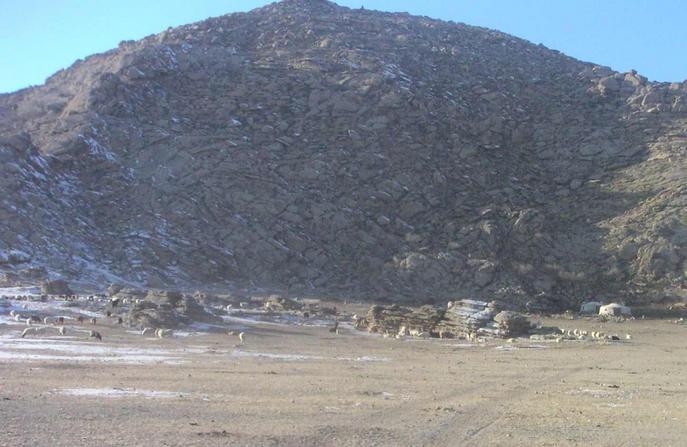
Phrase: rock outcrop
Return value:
(56, 287)
(168, 309)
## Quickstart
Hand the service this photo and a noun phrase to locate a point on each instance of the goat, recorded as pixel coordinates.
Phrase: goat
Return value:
(335, 329)
(96, 335)
(93, 321)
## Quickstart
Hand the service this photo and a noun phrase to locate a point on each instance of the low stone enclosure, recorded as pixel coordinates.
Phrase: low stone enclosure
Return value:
(464, 318)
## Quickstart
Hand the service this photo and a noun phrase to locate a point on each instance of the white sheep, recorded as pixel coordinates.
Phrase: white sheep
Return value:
(163, 333)
(29, 330)
(416, 333)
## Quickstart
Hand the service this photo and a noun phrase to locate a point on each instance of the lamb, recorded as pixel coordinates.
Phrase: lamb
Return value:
(61, 330)
(148, 331)
(96, 335)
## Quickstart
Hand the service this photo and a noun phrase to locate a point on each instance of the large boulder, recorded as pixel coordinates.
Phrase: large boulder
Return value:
(512, 324)
(56, 287)
(171, 297)
(168, 309)
(279, 303)
(148, 314)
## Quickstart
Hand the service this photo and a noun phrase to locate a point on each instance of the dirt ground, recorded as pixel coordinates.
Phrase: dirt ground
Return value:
(304, 386)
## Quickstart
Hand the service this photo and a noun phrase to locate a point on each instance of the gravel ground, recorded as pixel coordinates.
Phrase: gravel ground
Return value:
(303, 386)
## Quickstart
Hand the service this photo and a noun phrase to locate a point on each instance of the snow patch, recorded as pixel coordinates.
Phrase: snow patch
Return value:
(118, 392)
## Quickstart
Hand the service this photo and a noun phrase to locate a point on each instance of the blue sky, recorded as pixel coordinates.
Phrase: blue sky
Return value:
(39, 37)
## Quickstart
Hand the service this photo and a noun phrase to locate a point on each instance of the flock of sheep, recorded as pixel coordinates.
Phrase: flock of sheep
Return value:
(50, 324)
(37, 326)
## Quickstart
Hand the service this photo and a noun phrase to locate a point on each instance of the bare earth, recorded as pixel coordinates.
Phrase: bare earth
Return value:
(303, 386)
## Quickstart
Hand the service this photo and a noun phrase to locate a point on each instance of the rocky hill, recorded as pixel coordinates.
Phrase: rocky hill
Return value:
(305, 146)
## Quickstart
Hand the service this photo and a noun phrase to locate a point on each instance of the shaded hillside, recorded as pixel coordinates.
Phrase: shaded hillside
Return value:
(306, 146)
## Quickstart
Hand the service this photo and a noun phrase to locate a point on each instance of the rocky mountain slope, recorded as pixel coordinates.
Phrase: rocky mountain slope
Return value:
(305, 146)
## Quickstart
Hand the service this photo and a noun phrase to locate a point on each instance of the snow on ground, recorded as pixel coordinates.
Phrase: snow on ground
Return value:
(14, 291)
(16, 349)
(253, 318)
(51, 308)
(301, 357)
(118, 392)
